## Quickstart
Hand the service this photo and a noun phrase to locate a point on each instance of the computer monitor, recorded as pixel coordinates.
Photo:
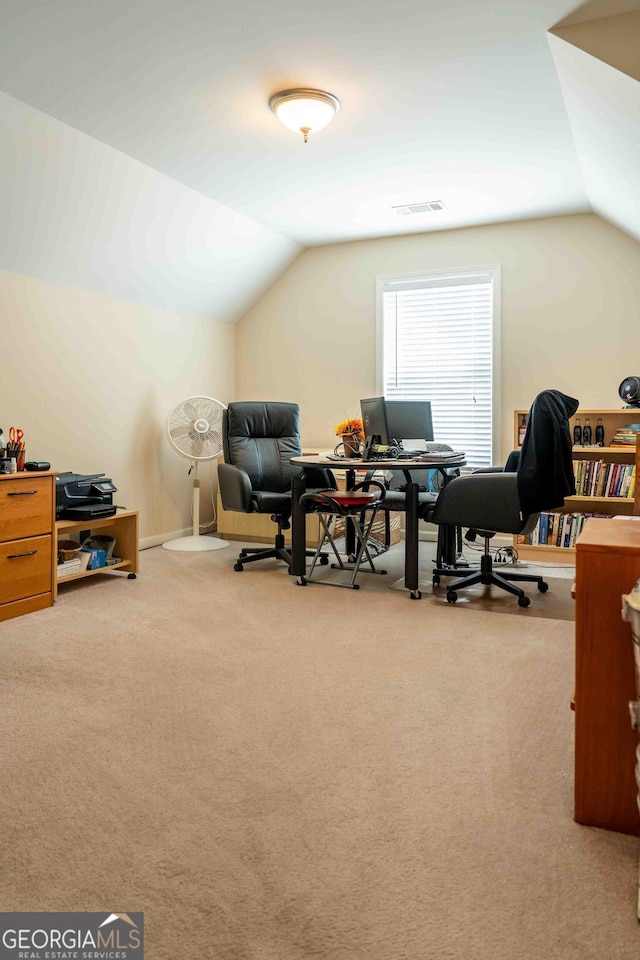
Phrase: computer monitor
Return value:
(409, 420)
(374, 420)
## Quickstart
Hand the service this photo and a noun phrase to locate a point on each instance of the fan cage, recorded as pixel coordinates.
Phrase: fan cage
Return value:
(194, 428)
(629, 391)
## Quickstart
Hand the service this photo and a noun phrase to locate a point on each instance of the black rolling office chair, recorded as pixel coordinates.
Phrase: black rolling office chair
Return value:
(511, 502)
(260, 439)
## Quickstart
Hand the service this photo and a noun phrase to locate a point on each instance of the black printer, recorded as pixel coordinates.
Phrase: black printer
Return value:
(84, 496)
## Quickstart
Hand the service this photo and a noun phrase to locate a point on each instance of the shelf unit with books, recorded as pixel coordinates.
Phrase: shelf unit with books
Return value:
(614, 468)
(123, 526)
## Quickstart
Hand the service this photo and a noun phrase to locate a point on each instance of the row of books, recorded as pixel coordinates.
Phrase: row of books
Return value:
(557, 529)
(625, 436)
(598, 478)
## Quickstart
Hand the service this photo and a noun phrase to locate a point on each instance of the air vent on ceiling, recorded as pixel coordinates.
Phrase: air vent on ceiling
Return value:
(430, 207)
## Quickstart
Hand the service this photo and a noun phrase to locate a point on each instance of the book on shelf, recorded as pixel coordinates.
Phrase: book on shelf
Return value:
(543, 529)
(612, 478)
(599, 479)
(75, 565)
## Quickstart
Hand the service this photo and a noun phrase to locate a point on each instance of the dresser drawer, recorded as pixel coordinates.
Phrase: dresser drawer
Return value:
(26, 507)
(25, 568)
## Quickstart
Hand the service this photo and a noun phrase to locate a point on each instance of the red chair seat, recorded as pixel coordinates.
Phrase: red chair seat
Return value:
(356, 498)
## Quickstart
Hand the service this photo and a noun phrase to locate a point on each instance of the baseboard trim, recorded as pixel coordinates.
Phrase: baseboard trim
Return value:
(428, 536)
(160, 538)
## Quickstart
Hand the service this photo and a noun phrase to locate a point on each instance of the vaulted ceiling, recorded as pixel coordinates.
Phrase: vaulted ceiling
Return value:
(140, 157)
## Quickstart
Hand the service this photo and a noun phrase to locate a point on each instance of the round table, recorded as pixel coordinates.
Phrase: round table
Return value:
(351, 466)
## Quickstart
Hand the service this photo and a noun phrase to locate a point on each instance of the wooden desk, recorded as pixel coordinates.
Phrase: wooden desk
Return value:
(607, 565)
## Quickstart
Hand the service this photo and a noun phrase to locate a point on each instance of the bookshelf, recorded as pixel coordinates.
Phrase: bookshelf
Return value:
(612, 420)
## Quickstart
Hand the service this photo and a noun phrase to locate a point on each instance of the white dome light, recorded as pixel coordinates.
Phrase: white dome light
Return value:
(304, 111)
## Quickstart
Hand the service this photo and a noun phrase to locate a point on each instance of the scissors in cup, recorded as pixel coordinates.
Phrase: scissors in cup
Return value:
(15, 435)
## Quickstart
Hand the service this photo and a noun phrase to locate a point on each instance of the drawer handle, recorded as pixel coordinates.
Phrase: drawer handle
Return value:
(14, 556)
(22, 493)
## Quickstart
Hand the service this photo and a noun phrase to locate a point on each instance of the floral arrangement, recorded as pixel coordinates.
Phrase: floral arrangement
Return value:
(350, 426)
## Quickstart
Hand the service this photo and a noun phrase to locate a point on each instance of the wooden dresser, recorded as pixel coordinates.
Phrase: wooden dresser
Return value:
(27, 543)
(607, 565)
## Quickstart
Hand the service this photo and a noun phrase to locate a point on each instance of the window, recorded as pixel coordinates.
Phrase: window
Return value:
(438, 341)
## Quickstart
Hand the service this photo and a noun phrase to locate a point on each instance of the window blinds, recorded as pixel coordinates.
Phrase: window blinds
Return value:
(438, 346)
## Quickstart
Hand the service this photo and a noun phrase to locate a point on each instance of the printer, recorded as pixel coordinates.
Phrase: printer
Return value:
(84, 496)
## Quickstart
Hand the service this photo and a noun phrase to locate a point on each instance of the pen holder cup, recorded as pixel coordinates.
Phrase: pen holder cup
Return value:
(21, 456)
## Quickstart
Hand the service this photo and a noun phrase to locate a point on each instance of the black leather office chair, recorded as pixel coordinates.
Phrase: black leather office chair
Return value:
(511, 502)
(260, 439)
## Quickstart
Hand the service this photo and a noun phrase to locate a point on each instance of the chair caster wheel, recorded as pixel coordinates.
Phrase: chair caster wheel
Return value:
(452, 596)
(324, 561)
(356, 586)
(523, 601)
(415, 595)
(301, 582)
(131, 576)
(543, 587)
(238, 567)
(436, 581)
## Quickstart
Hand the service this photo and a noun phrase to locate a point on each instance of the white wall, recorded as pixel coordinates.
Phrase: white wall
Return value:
(570, 317)
(91, 380)
(79, 213)
(119, 290)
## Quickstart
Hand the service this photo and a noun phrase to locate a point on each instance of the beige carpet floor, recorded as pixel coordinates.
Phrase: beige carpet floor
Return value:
(273, 772)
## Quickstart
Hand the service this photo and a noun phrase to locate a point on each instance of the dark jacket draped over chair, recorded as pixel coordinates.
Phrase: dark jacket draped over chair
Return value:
(545, 472)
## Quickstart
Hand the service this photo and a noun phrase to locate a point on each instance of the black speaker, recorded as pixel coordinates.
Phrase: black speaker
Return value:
(629, 391)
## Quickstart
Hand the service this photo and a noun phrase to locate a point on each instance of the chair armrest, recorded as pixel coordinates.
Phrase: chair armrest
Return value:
(235, 488)
(481, 500)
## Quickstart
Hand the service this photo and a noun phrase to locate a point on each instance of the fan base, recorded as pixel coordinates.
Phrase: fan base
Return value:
(194, 544)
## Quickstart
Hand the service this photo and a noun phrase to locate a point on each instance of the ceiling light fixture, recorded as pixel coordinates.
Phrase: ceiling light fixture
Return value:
(303, 110)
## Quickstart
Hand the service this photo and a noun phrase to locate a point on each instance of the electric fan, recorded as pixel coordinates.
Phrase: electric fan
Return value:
(629, 391)
(194, 429)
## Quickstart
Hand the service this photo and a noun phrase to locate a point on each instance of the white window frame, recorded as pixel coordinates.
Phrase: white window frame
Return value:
(451, 274)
